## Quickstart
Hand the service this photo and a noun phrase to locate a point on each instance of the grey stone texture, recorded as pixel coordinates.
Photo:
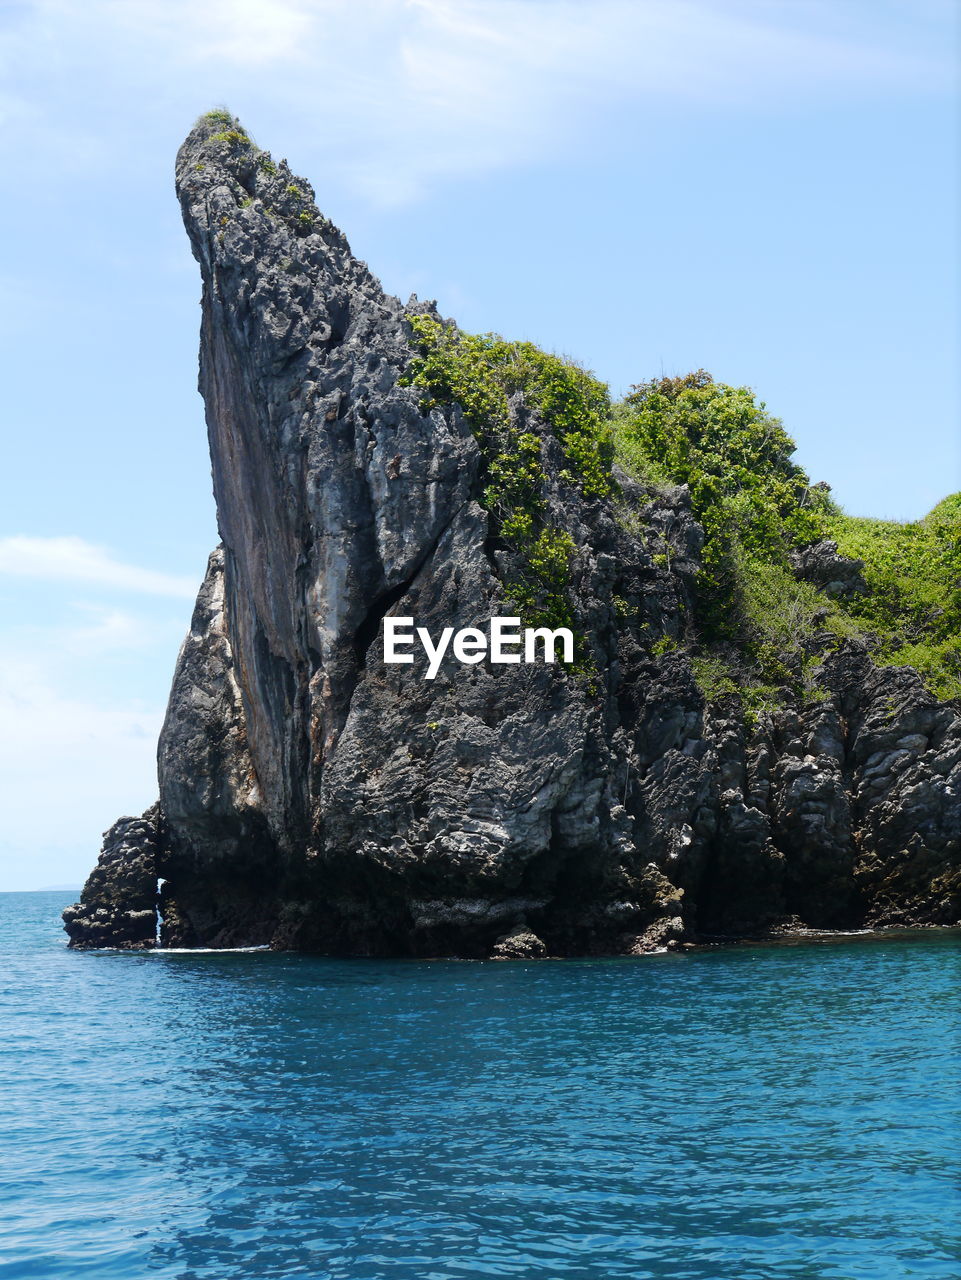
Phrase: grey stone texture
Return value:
(313, 797)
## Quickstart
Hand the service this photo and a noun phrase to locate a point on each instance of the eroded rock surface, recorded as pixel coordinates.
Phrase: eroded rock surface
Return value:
(313, 797)
(822, 564)
(118, 906)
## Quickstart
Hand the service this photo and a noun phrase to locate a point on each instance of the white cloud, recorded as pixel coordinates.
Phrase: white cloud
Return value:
(395, 93)
(69, 767)
(73, 559)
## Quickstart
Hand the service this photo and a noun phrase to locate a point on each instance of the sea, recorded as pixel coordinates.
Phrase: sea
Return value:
(746, 1113)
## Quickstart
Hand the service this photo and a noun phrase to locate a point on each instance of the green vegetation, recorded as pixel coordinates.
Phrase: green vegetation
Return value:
(481, 373)
(755, 622)
(231, 131)
(913, 603)
(745, 491)
(754, 506)
(754, 616)
(541, 589)
(233, 136)
(666, 644)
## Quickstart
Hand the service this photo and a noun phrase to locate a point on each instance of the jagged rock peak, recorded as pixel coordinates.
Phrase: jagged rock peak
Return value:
(313, 795)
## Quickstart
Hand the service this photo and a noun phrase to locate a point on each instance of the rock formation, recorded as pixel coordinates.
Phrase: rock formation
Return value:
(313, 797)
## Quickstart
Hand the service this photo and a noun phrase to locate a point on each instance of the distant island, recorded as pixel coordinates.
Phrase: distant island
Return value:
(756, 729)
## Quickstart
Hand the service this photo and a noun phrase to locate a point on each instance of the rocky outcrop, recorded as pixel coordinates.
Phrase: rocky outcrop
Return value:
(313, 796)
(118, 906)
(519, 944)
(822, 564)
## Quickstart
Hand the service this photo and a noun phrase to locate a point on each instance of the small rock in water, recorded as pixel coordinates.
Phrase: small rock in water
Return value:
(519, 944)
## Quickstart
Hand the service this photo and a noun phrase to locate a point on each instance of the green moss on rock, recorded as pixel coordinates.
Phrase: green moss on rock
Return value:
(482, 373)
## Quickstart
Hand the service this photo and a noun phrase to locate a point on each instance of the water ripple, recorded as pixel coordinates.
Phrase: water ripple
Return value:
(779, 1113)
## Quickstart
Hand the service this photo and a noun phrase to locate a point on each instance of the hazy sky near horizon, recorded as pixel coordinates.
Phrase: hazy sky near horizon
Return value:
(767, 190)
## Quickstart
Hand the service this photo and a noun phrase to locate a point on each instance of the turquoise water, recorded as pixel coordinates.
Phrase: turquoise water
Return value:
(790, 1111)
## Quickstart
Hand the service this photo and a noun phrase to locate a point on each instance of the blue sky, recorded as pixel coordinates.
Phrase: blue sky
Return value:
(768, 190)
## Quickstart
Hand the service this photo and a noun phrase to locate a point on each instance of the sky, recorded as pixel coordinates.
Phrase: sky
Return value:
(767, 189)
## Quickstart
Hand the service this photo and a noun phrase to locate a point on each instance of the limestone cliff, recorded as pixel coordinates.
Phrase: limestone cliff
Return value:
(312, 796)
